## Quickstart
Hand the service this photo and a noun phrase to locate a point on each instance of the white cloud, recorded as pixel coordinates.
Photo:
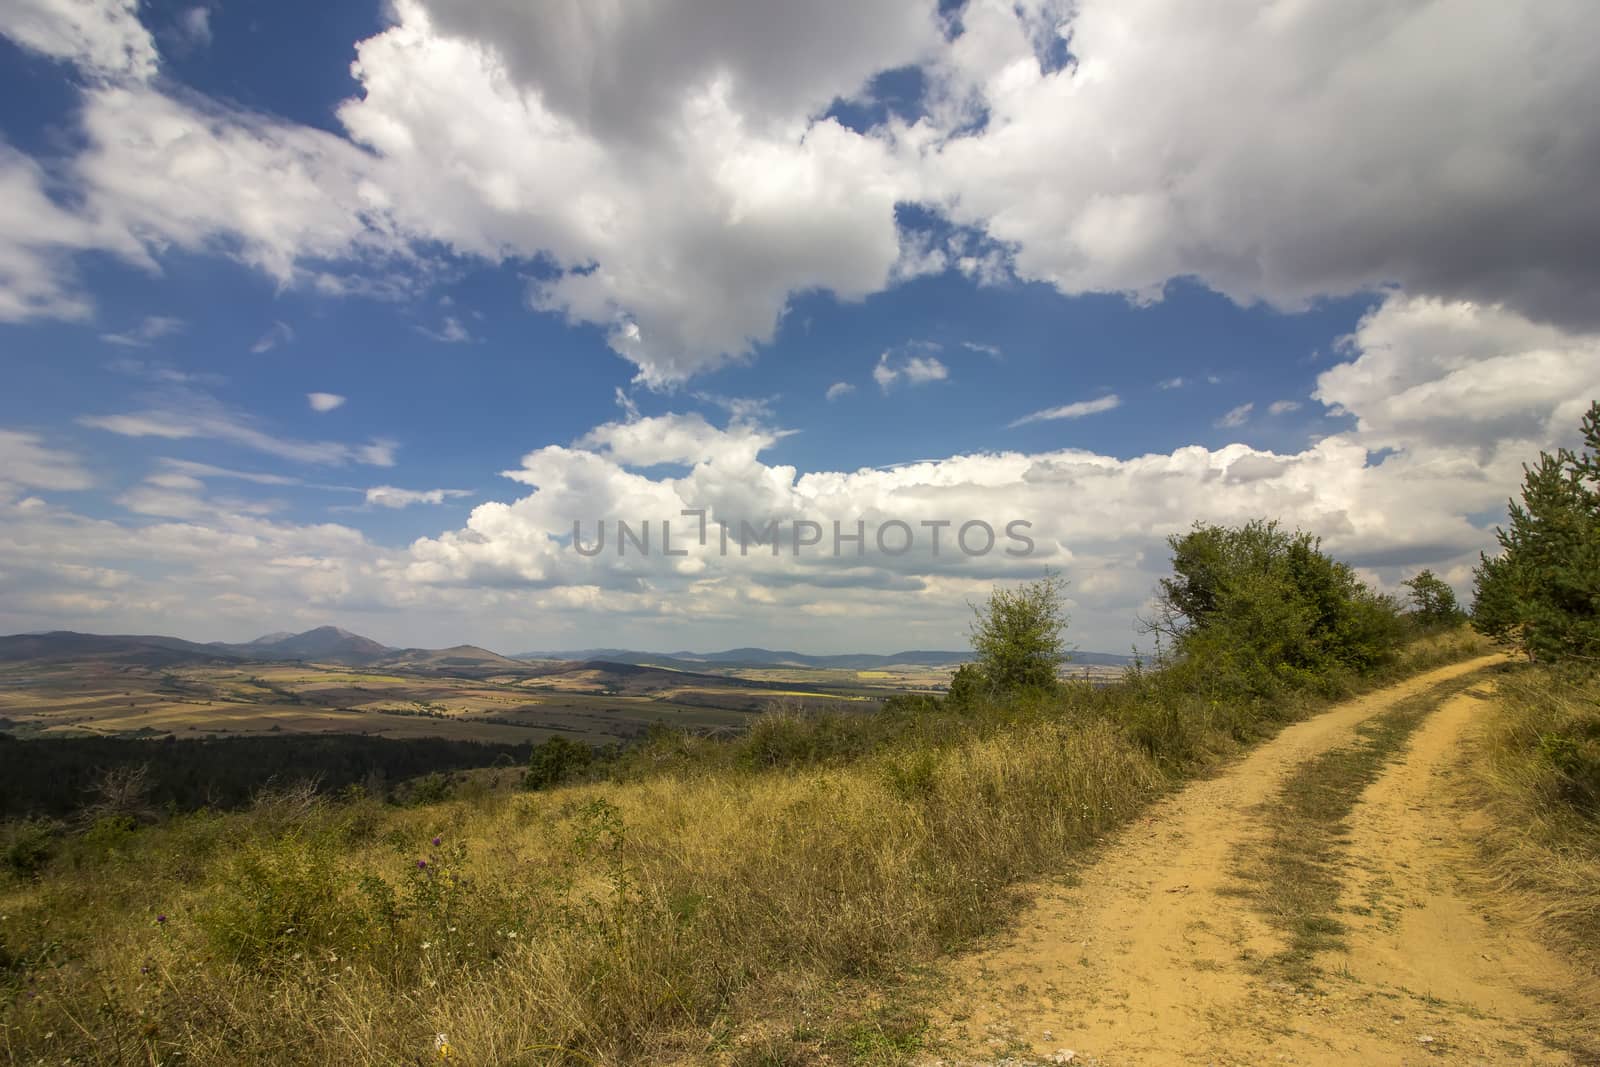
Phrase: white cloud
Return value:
(685, 439)
(839, 389)
(901, 366)
(1171, 383)
(1148, 159)
(1235, 417)
(324, 401)
(1282, 407)
(183, 468)
(449, 332)
(25, 462)
(673, 170)
(104, 37)
(150, 330)
(992, 351)
(186, 414)
(1456, 374)
(279, 333)
(387, 496)
(196, 26)
(1075, 410)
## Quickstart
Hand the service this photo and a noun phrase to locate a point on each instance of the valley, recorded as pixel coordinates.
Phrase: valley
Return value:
(328, 681)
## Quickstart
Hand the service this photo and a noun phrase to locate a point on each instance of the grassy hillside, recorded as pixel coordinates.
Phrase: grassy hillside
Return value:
(703, 903)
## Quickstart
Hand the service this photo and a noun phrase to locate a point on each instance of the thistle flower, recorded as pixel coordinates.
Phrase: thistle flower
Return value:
(437, 842)
(422, 865)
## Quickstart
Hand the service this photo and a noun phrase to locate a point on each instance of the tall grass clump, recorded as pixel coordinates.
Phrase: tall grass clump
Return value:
(1539, 769)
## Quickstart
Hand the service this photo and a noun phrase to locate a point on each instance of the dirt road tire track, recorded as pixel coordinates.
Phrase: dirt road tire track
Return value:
(1150, 956)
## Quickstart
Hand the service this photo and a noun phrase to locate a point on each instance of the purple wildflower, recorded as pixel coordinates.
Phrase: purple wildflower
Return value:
(422, 865)
(161, 919)
(437, 842)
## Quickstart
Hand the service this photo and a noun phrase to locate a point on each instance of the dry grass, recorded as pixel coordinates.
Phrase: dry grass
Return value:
(1538, 769)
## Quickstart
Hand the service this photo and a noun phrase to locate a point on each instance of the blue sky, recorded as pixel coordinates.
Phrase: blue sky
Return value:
(287, 292)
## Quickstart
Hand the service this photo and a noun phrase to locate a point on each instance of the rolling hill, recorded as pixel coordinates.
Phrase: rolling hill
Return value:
(766, 657)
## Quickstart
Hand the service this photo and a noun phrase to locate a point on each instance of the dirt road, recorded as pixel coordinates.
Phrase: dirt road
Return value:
(1158, 953)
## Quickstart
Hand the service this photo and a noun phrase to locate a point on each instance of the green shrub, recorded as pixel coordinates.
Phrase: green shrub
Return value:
(556, 760)
(1264, 611)
(276, 898)
(28, 845)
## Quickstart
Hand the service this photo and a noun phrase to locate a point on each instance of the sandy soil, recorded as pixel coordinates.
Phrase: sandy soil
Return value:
(1147, 958)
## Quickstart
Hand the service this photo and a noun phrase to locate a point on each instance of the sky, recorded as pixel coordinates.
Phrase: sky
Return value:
(346, 313)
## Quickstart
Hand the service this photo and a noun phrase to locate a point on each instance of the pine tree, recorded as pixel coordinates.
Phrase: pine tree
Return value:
(1542, 592)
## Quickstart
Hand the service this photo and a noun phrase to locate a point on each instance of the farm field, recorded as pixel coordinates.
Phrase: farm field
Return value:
(594, 703)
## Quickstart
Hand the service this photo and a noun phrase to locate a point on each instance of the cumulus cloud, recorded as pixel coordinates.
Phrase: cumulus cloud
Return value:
(1456, 374)
(1185, 140)
(322, 402)
(104, 37)
(1076, 410)
(909, 367)
(677, 177)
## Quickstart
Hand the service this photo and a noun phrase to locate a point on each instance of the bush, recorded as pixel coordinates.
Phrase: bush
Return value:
(27, 846)
(1266, 610)
(556, 760)
(277, 898)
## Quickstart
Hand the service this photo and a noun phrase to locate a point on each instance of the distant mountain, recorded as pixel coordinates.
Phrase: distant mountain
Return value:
(144, 649)
(330, 644)
(447, 659)
(766, 657)
(325, 644)
(268, 639)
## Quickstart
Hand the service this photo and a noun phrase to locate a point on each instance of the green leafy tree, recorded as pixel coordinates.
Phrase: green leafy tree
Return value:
(1265, 607)
(1017, 636)
(555, 760)
(967, 686)
(1542, 592)
(1433, 602)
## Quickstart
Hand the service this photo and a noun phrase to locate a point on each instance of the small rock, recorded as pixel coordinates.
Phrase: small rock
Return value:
(1426, 1039)
(1064, 1055)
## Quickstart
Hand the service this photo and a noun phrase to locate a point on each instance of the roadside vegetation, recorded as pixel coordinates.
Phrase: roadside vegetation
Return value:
(1539, 764)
